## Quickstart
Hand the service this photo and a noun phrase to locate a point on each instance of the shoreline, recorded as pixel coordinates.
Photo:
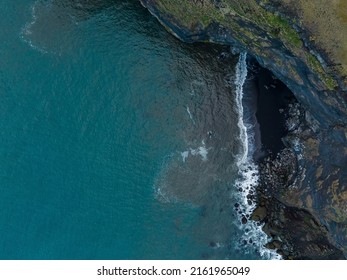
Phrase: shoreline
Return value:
(248, 181)
(302, 185)
(295, 233)
(264, 100)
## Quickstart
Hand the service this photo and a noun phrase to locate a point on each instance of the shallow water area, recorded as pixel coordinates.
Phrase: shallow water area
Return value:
(117, 140)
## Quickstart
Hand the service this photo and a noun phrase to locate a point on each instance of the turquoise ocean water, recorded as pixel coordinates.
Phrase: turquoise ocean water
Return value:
(117, 141)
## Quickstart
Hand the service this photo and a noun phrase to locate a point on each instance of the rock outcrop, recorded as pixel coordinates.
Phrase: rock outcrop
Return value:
(304, 43)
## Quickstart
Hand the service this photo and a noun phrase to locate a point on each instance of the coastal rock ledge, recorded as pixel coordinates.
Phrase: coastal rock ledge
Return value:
(304, 43)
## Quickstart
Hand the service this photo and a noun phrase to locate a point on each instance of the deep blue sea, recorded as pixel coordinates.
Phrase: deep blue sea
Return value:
(117, 141)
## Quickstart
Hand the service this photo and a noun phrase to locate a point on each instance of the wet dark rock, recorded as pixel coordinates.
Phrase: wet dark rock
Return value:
(259, 214)
(303, 175)
(275, 244)
(294, 234)
(213, 244)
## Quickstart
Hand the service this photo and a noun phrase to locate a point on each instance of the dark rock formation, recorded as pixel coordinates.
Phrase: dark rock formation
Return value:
(305, 45)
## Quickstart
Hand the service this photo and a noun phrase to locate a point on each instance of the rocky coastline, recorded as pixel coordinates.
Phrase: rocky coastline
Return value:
(295, 232)
(302, 197)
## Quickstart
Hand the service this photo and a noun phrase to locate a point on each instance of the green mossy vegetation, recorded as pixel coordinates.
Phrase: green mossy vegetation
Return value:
(286, 30)
(236, 15)
(328, 80)
(191, 13)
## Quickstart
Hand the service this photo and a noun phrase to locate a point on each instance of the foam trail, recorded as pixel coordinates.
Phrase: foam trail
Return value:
(248, 172)
(190, 115)
(201, 151)
(241, 75)
(27, 29)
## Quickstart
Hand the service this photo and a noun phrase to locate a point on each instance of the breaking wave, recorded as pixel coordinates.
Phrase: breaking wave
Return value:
(253, 236)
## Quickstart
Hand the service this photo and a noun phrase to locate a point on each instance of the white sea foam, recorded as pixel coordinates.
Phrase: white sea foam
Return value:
(48, 24)
(185, 155)
(241, 75)
(27, 29)
(201, 151)
(190, 115)
(248, 173)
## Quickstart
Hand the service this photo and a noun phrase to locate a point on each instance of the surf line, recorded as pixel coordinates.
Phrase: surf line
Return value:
(253, 235)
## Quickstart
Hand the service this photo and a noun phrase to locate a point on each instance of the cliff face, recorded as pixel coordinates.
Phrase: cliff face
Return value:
(305, 44)
(285, 40)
